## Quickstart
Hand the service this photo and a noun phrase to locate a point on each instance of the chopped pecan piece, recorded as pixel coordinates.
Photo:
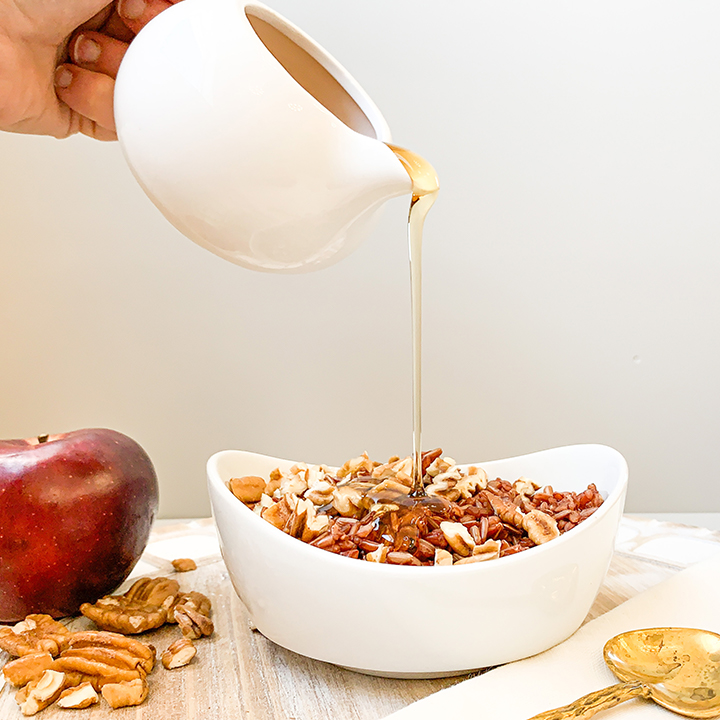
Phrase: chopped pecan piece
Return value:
(346, 500)
(247, 489)
(193, 599)
(379, 555)
(40, 693)
(80, 696)
(179, 654)
(184, 565)
(24, 669)
(361, 465)
(36, 633)
(278, 513)
(125, 694)
(489, 550)
(321, 493)
(192, 623)
(458, 537)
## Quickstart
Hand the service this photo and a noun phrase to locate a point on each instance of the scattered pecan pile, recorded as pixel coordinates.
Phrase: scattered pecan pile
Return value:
(365, 510)
(53, 665)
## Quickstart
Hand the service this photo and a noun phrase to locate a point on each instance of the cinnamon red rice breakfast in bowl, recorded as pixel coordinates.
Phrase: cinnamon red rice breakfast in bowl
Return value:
(495, 562)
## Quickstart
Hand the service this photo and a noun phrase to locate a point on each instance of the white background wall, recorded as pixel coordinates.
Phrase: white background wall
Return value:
(571, 264)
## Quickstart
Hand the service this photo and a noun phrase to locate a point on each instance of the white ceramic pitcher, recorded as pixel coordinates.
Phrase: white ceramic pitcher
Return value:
(250, 138)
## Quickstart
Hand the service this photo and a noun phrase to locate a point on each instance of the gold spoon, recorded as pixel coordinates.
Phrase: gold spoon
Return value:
(678, 668)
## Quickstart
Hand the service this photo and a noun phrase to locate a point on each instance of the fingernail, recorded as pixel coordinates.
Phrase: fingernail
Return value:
(87, 50)
(131, 9)
(63, 77)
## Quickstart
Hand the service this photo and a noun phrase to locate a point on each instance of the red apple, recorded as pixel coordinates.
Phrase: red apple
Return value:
(75, 515)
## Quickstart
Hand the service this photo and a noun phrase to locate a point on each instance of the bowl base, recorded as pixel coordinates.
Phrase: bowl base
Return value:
(412, 675)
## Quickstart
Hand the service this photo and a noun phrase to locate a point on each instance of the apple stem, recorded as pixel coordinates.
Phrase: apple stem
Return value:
(43, 438)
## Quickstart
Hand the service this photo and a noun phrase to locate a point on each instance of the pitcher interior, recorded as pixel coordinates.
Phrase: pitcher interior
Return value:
(311, 75)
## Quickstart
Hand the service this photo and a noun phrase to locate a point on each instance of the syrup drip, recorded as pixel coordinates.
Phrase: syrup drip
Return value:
(425, 187)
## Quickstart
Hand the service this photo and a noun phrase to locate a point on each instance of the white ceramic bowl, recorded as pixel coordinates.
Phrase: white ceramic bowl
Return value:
(405, 621)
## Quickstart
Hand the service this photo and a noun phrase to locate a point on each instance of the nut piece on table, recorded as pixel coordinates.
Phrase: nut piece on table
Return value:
(114, 641)
(78, 697)
(179, 654)
(36, 633)
(94, 671)
(248, 489)
(192, 623)
(40, 693)
(193, 599)
(191, 611)
(159, 591)
(184, 565)
(109, 656)
(118, 614)
(124, 694)
(27, 668)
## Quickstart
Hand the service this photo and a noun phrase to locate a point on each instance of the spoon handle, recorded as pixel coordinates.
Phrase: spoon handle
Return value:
(593, 702)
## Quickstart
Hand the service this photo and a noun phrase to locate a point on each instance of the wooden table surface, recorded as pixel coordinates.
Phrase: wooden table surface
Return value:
(239, 674)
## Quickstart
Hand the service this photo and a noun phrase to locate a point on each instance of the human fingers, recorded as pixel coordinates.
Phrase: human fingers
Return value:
(90, 96)
(138, 13)
(116, 28)
(98, 52)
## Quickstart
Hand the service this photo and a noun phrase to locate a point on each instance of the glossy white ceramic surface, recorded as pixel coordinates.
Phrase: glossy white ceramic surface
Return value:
(422, 621)
(235, 153)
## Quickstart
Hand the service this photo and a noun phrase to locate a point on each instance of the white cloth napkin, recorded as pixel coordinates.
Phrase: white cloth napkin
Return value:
(519, 690)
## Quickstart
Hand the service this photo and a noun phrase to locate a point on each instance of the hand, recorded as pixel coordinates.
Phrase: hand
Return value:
(59, 60)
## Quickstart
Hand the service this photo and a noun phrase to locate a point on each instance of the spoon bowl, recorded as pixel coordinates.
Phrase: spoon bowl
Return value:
(681, 666)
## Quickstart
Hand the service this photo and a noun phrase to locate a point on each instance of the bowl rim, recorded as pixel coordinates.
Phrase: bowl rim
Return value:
(531, 554)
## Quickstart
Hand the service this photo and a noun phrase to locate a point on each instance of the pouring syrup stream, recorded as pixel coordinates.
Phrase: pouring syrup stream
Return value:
(425, 187)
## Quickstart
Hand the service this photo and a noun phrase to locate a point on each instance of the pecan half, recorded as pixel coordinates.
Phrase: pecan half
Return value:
(97, 672)
(125, 694)
(153, 591)
(115, 642)
(36, 633)
(179, 654)
(118, 614)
